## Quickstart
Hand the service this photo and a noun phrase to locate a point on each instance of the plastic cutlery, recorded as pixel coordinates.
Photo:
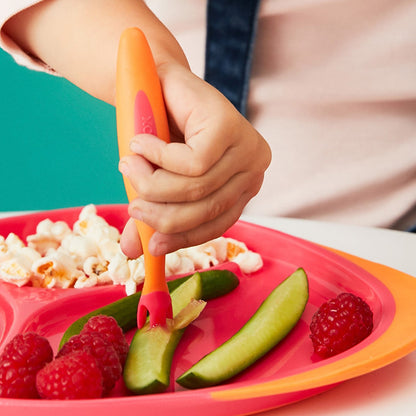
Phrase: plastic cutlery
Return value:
(140, 108)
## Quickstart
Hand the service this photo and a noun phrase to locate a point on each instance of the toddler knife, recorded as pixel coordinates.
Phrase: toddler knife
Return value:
(140, 108)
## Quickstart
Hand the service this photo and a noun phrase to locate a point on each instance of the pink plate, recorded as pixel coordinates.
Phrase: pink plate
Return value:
(289, 373)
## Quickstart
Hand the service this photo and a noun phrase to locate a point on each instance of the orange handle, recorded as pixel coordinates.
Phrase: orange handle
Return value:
(137, 78)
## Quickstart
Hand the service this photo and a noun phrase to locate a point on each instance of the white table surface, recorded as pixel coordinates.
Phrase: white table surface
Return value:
(385, 392)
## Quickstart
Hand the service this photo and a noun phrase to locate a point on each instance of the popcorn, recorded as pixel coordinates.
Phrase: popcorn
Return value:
(136, 267)
(126, 272)
(13, 272)
(49, 235)
(57, 269)
(13, 243)
(118, 269)
(249, 261)
(86, 281)
(92, 225)
(177, 263)
(93, 266)
(79, 248)
(95, 274)
(96, 230)
(90, 255)
(16, 264)
(16, 260)
(208, 254)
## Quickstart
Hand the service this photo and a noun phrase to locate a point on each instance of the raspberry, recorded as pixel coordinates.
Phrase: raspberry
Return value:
(108, 327)
(72, 376)
(105, 354)
(339, 324)
(21, 359)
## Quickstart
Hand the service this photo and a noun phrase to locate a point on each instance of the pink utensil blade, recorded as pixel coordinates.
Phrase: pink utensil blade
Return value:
(155, 298)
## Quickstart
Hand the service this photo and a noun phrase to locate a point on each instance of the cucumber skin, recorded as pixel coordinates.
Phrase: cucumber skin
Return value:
(194, 377)
(148, 363)
(215, 283)
(161, 383)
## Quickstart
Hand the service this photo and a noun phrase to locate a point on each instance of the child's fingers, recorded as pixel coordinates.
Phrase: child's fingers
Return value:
(182, 158)
(130, 241)
(160, 185)
(161, 244)
(172, 218)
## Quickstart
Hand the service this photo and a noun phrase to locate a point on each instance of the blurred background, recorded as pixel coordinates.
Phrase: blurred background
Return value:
(58, 144)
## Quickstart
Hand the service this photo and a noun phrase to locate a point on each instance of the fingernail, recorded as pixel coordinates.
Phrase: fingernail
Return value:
(123, 168)
(136, 213)
(136, 146)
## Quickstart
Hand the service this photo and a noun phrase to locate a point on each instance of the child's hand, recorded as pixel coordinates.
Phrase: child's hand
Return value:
(216, 162)
(213, 166)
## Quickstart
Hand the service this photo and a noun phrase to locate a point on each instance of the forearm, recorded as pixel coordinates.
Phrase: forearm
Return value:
(79, 39)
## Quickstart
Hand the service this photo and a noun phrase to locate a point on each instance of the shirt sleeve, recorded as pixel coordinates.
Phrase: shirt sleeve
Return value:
(9, 8)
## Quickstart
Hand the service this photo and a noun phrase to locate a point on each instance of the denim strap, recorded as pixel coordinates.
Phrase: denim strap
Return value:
(231, 29)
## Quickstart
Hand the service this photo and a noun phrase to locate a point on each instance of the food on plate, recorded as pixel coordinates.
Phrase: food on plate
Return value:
(89, 254)
(16, 260)
(87, 366)
(102, 350)
(20, 361)
(147, 368)
(102, 338)
(73, 376)
(215, 283)
(107, 327)
(270, 324)
(339, 324)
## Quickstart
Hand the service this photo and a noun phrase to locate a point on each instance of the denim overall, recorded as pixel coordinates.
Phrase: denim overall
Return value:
(231, 30)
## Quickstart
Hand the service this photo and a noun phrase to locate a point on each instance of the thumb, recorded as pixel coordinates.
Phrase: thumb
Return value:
(130, 243)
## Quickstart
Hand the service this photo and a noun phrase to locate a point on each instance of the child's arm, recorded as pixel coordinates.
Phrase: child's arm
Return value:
(79, 38)
(218, 161)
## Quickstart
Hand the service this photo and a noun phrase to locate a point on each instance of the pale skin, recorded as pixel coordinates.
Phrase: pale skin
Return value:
(216, 161)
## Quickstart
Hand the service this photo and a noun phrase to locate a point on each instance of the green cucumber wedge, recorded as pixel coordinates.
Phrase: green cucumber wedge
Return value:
(148, 363)
(272, 321)
(215, 283)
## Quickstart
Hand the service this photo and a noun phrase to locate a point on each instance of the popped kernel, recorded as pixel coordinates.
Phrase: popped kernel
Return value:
(93, 265)
(57, 269)
(92, 225)
(86, 281)
(49, 235)
(176, 263)
(127, 272)
(15, 265)
(249, 261)
(89, 255)
(79, 247)
(13, 243)
(207, 254)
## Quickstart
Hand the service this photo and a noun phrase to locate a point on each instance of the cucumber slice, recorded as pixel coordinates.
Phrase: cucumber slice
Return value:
(272, 321)
(148, 363)
(215, 283)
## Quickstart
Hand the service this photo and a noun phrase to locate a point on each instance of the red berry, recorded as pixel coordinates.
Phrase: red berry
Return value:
(108, 327)
(72, 376)
(105, 354)
(339, 324)
(20, 360)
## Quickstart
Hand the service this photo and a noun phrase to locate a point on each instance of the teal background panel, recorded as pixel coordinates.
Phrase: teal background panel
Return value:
(58, 144)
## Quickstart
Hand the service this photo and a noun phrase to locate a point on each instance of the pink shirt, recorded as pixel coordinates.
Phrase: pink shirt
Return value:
(333, 91)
